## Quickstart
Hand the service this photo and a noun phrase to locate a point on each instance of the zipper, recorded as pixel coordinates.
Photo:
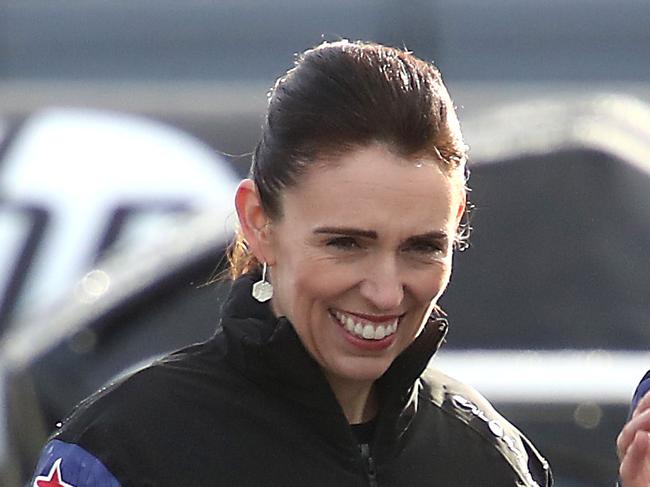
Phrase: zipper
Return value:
(369, 463)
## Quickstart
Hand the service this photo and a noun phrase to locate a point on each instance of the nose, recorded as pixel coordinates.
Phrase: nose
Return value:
(383, 286)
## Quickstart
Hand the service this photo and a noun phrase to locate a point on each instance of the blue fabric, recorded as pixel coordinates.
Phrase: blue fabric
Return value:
(76, 468)
(642, 389)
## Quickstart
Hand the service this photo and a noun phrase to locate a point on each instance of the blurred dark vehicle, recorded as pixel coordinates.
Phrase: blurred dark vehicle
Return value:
(78, 186)
(531, 279)
(75, 183)
(560, 256)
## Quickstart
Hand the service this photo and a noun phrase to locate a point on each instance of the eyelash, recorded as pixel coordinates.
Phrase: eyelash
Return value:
(350, 243)
(344, 243)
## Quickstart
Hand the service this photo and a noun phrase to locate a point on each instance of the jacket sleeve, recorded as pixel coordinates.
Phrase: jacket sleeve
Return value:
(641, 390)
(64, 464)
(468, 406)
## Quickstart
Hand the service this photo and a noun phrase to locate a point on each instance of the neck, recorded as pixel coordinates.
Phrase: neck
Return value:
(357, 399)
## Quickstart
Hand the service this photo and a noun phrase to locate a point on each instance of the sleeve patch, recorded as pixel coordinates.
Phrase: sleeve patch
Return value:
(68, 465)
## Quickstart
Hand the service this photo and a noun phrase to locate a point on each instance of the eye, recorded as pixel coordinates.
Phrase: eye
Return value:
(344, 243)
(427, 248)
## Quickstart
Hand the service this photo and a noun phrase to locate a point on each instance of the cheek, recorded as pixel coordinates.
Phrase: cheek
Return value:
(301, 281)
(432, 284)
(318, 283)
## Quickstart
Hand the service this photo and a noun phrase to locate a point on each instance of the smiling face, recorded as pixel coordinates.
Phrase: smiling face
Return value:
(360, 255)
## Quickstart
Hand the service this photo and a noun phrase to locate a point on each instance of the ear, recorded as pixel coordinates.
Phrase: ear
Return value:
(461, 207)
(254, 221)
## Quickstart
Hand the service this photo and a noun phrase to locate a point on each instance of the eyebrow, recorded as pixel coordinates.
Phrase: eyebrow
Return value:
(348, 231)
(371, 234)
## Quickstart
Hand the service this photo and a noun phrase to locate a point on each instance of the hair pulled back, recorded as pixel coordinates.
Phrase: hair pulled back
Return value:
(342, 96)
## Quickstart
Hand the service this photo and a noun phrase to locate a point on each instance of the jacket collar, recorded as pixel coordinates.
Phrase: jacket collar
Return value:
(267, 350)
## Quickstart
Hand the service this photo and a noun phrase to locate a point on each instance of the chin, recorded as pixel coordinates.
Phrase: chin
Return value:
(363, 369)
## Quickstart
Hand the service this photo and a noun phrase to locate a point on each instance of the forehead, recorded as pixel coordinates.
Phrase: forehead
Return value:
(371, 185)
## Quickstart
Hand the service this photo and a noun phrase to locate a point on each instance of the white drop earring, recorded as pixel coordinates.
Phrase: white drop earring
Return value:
(262, 289)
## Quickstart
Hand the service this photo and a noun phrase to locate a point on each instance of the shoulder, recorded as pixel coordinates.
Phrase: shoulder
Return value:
(462, 403)
(96, 444)
(66, 465)
(123, 421)
(155, 388)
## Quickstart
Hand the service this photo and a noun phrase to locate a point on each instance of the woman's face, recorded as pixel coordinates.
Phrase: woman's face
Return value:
(362, 252)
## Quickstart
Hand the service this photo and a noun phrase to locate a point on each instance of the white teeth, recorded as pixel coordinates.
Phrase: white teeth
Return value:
(365, 330)
(368, 332)
(349, 324)
(380, 332)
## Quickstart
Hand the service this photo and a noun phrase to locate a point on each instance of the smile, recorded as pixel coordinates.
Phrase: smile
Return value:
(364, 329)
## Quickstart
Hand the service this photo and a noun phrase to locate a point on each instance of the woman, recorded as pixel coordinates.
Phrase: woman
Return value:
(317, 376)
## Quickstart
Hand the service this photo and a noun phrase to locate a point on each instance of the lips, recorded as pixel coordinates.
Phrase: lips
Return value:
(367, 328)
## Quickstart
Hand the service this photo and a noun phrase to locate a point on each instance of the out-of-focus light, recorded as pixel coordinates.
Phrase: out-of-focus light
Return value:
(588, 415)
(92, 286)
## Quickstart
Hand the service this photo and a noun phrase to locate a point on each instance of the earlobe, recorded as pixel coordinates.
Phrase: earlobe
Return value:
(253, 220)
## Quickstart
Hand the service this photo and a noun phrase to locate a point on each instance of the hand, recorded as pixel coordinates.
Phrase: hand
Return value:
(633, 445)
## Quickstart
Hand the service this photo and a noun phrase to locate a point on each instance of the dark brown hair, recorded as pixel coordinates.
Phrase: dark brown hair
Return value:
(345, 95)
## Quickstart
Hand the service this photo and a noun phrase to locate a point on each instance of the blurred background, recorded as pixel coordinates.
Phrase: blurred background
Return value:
(125, 126)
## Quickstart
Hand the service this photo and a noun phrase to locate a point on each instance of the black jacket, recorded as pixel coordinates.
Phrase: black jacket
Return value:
(250, 407)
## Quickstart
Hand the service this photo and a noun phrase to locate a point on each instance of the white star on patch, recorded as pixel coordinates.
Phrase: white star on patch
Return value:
(53, 478)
